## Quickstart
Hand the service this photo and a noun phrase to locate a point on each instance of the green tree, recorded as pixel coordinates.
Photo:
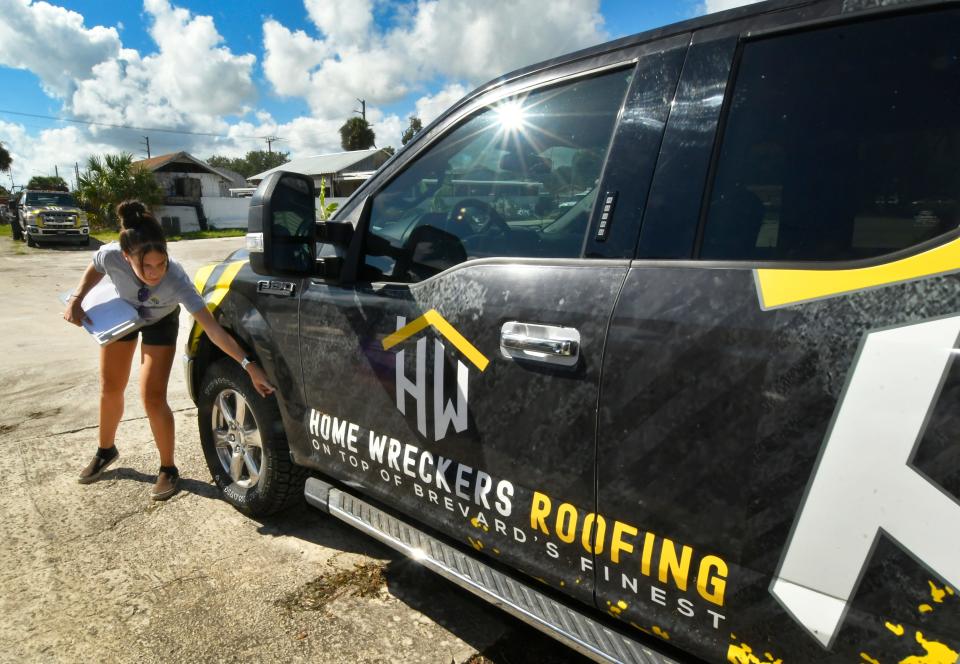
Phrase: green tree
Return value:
(112, 178)
(255, 161)
(48, 182)
(415, 126)
(356, 134)
(5, 159)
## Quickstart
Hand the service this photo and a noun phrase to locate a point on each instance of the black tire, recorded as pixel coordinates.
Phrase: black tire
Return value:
(30, 241)
(232, 458)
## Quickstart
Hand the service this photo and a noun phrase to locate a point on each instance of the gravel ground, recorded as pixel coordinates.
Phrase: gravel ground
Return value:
(99, 572)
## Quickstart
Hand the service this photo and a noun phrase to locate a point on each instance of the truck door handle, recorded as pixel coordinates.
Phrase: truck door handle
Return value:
(549, 344)
(557, 347)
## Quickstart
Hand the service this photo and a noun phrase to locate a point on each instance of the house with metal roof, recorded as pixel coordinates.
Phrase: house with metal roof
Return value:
(343, 172)
(196, 195)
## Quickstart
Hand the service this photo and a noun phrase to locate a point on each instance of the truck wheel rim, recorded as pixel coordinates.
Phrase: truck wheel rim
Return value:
(237, 438)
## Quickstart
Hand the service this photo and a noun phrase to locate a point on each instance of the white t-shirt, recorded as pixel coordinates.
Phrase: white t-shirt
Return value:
(175, 287)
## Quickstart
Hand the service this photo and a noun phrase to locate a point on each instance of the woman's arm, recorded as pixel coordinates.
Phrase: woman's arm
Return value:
(229, 345)
(74, 312)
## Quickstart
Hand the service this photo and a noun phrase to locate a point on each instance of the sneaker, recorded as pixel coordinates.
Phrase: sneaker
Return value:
(167, 484)
(99, 463)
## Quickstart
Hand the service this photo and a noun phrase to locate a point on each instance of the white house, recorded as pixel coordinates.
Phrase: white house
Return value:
(196, 195)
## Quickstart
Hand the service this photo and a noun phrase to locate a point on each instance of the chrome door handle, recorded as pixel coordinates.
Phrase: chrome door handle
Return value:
(521, 342)
(549, 344)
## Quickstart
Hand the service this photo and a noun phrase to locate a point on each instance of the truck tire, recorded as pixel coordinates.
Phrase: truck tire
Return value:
(30, 241)
(244, 443)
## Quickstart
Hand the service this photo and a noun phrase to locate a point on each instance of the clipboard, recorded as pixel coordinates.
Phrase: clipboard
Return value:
(111, 317)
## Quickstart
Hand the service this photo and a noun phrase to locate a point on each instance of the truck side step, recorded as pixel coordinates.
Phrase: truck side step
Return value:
(578, 631)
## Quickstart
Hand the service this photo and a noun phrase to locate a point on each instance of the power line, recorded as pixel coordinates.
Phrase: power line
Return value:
(130, 127)
(270, 141)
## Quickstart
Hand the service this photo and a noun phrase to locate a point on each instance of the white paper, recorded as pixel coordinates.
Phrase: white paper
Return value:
(110, 316)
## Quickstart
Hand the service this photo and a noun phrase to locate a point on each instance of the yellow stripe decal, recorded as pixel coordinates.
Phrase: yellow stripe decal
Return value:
(778, 288)
(223, 284)
(215, 296)
(434, 318)
(200, 278)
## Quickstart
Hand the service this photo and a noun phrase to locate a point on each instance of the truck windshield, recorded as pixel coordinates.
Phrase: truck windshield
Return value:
(50, 198)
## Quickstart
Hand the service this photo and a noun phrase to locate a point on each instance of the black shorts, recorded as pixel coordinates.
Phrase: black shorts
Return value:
(161, 333)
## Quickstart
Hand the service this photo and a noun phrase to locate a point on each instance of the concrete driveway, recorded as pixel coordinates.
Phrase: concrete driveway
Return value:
(100, 573)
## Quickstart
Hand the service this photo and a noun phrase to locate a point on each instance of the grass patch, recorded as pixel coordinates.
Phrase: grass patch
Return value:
(362, 581)
(205, 235)
(106, 236)
(6, 230)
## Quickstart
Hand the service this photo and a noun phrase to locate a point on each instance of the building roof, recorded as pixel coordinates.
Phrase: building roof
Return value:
(320, 164)
(156, 163)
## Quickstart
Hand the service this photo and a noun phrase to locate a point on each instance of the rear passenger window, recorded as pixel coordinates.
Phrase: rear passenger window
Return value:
(840, 143)
(519, 178)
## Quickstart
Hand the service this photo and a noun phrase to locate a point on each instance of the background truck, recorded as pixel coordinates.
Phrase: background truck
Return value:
(51, 216)
(652, 345)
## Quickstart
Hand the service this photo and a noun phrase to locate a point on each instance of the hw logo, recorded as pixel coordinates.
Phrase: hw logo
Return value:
(865, 483)
(445, 412)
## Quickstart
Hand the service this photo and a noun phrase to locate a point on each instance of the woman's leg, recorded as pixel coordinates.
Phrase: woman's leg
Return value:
(155, 364)
(115, 360)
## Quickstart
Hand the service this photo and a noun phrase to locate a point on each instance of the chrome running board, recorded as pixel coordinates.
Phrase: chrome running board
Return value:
(576, 630)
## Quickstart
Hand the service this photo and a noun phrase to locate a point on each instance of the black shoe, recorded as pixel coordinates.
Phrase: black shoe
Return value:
(99, 463)
(168, 481)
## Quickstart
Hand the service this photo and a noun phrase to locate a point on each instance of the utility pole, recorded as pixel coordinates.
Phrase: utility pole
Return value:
(270, 141)
(146, 139)
(56, 172)
(363, 108)
(76, 171)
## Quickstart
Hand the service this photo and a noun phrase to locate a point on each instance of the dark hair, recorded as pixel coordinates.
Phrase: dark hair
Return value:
(140, 232)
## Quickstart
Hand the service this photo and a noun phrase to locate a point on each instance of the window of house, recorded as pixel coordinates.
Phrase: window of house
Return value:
(519, 178)
(840, 143)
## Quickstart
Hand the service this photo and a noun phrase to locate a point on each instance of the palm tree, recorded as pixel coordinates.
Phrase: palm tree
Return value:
(356, 134)
(112, 178)
(5, 159)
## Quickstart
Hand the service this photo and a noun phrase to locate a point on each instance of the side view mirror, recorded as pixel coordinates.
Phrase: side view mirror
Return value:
(335, 237)
(281, 225)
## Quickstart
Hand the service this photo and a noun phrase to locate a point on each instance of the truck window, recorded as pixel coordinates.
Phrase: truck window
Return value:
(519, 178)
(840, 143)
(50, 198)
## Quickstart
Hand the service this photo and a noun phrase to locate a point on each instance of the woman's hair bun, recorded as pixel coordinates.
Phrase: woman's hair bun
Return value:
(131, 213)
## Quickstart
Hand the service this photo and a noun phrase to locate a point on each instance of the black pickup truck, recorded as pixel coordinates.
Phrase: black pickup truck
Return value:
(651, 345)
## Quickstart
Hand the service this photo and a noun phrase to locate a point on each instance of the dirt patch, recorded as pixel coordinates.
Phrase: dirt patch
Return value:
(525, 646)
(102, 570)
(364, 580)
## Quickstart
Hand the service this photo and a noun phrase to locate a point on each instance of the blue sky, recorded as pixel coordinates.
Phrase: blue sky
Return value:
(229, 74)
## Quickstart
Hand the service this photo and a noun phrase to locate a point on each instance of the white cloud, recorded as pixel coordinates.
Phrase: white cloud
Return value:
(192, 71)
(289, 57)
(342, 21)
(456, 39)
(40, 154)
(429, 107)
(53, 43)
(188, 84)
(711, 6)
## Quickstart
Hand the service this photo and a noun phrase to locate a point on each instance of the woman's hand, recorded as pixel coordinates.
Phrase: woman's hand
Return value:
(74, 312)
(259, 379)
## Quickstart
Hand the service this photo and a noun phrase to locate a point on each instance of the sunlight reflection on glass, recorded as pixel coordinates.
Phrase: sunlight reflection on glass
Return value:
(512, 116)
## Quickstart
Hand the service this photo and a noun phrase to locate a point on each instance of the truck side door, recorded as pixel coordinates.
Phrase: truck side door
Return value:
(775, 465)
(457, 380)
